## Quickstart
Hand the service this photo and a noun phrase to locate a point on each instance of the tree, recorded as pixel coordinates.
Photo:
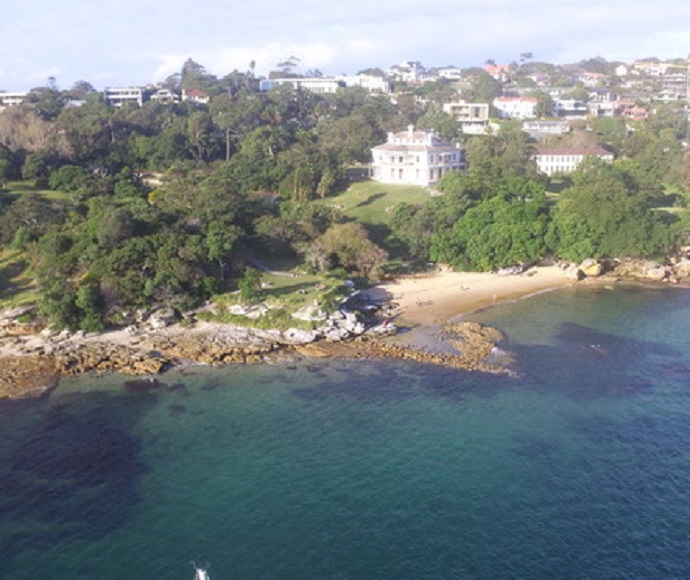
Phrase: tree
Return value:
(48, 102)
(89, 301)
(440, 122)
(507, 229)
(606, 214)
(545, 103)
(220, 240)
(67, 178)
(80, 90)
(285, 68)
(347, 139)
(250, 286)
(57, 302)
(483, 87)
(194, 76)
(35, 212)
(349, 247)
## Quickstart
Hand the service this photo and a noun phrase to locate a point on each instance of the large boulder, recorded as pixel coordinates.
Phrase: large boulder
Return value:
(162, 318)
(16, 312)
(591, 268)
(310, 313)
(574, 273)
(297, 336)
(656, 273)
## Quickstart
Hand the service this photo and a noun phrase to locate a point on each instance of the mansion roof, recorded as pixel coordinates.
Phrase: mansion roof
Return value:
(599, 151)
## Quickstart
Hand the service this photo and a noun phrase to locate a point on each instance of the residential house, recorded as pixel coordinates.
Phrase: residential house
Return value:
(650, 68)
(195, 96)
(8, 99)
(452, 73)
(516, 107)
(319, 85)
(541, 79)
(540, 128)
(165, 97)
(414, 157)
(591, 79)
(567, 159)
(118, 96)
(372, 83)
(570, 108)
(473, 118)
(501, 72)
(600, 95)
(602, 109)
(408, 71)
(631, 110)
(674, 85)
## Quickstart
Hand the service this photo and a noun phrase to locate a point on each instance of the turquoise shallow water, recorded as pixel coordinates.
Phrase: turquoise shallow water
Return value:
(579, 469)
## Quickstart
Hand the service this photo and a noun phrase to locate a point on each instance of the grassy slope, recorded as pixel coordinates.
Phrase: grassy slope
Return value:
(22, 187)
(370, 203)
(17, 284)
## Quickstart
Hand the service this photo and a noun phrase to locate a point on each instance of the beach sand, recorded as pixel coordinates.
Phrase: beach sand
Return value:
(435, 298)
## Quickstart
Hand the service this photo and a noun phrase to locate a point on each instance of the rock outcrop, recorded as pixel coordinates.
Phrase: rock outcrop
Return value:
(27, 376)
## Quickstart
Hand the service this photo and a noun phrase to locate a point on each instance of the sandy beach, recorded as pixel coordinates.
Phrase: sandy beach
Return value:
(437, 297)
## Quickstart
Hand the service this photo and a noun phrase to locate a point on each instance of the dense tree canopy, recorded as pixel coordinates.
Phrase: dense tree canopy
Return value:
(162, 203)
(606, 213)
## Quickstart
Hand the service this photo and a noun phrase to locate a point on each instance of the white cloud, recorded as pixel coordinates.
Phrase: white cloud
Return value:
(135, 41)
(225, 60)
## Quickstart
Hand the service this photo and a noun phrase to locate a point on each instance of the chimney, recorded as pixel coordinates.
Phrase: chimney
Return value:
(410, 131)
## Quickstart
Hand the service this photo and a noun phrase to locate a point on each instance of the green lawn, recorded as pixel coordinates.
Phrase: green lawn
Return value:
(17, 284)
(371, 203)
(23, 187)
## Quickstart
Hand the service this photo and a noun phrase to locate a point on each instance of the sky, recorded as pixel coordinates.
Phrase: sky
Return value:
(136, 42)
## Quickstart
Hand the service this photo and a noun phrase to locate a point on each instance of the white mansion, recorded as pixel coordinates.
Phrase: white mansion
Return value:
(565, 160)
(415, 158)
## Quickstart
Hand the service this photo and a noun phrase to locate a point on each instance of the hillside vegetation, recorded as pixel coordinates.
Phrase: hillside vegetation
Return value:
(260, 198)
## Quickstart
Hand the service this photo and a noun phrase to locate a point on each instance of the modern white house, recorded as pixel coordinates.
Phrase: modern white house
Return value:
(571, 109)
(516, 107)
(414, 158)
(452, 73)
(320, 85)
(473, 118)
(165, 97)
(372, 83)
(8, 99)
(409, 71)
(545, 127)
(566, 160)
(118, 96)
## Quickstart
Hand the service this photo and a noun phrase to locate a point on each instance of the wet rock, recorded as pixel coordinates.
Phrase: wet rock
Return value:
(26, 376)
(144, 384)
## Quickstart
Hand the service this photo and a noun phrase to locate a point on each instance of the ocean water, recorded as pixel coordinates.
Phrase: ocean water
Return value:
(579, 468)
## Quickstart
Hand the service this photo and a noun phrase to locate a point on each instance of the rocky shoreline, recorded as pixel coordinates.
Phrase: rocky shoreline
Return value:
(32, 357)
(36, 362)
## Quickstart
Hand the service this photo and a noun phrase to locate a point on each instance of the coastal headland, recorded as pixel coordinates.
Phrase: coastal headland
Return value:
(32, 360)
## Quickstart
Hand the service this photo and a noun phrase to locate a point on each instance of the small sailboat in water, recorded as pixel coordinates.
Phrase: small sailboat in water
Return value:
(201, 573)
